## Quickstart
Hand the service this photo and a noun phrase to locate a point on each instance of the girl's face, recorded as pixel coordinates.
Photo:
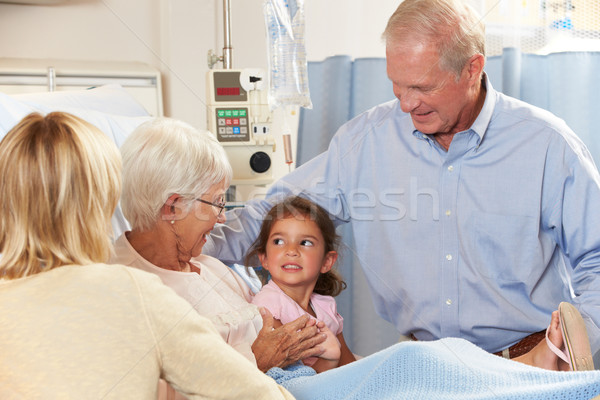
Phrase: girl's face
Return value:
(295, 253)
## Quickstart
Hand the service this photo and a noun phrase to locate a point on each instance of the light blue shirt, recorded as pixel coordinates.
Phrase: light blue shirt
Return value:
(481, 241)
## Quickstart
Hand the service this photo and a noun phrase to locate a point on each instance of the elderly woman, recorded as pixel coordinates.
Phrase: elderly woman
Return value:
(71, 326)
(174, 179)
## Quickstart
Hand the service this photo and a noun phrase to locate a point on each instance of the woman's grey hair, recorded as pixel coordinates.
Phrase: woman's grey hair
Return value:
(165, 156)
(456, 28)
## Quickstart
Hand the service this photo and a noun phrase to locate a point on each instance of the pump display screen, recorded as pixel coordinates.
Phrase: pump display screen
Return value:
(228, 91)
(227, 87)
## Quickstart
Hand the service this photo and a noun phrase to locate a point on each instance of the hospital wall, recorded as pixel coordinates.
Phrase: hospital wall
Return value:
(175, 36)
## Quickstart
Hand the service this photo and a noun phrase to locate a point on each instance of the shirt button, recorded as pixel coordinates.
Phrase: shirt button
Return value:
(449, 257)
(450, 168)
(448, 302)
(448, 212)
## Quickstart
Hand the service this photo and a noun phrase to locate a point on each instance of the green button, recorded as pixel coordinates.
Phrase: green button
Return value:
(228, 113)
(243, 113)
(221, 113)
(236, 113)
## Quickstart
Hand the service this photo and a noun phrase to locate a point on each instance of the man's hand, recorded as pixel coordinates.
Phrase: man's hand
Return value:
(280, 347)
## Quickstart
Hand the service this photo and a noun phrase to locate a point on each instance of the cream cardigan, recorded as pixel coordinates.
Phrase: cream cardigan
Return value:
(110, 332)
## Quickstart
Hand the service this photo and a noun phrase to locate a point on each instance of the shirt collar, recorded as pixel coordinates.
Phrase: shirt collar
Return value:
(485, 115)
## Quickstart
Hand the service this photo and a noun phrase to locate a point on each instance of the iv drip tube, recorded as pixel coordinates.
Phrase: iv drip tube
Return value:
(287, 138)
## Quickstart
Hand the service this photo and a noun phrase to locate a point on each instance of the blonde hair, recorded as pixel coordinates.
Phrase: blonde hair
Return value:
(60, 186)
(456, 28)
(164, 156)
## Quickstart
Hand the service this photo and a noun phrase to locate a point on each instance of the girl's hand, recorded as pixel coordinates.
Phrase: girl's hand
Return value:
(332, 346)
(331, 357)
(282, 346)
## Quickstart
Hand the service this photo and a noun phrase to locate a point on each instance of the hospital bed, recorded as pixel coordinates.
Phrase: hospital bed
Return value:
(115, 109)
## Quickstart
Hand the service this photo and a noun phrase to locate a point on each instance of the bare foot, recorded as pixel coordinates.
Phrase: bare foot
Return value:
(541, 356)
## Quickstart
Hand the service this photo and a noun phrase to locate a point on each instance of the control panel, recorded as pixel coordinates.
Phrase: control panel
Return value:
(239, 116)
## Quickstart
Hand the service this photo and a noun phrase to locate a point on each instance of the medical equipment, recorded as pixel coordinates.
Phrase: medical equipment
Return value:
(239, 116)
(288, 72)
(257, 140)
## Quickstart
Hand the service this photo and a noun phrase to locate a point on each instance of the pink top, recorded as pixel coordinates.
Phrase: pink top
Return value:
(287, 310)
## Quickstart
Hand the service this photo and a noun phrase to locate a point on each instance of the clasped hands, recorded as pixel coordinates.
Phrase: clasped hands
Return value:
(288, 343)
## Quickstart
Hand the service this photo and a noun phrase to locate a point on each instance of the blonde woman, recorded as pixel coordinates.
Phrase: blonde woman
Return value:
(71, 326)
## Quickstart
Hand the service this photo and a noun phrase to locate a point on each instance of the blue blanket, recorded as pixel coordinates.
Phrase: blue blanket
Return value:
(444, 369)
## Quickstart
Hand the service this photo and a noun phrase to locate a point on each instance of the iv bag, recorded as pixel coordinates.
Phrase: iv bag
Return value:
(288, 72)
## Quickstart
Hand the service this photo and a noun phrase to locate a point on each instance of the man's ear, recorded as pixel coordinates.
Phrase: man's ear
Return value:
(328, 261)
(475, 67)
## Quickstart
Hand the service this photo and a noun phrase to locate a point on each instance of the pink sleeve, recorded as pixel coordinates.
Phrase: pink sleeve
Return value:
(270, 300)
(328, 310)
(275, 300)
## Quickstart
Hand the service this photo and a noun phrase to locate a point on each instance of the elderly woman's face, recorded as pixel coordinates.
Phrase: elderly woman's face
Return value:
(197, 224)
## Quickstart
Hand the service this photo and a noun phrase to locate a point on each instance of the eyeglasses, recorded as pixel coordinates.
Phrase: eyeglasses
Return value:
(220, 205)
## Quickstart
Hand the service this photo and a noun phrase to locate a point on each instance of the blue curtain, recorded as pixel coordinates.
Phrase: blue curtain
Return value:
(564, 83)
(341, 89)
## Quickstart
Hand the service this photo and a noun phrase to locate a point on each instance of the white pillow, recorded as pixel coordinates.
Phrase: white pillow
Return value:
(117, 127)
(11, 112)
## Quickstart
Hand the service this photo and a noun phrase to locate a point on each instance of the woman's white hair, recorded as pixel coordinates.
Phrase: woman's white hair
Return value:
(165, 156)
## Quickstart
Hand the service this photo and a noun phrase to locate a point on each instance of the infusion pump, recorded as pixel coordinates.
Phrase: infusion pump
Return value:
(239, 116)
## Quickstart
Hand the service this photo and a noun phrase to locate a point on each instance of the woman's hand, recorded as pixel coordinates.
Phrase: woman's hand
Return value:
(282, 346)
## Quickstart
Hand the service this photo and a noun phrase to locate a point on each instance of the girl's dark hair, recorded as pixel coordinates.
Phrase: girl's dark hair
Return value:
(329, 283)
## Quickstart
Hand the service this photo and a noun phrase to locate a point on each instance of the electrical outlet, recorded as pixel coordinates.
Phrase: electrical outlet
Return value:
(260, 129)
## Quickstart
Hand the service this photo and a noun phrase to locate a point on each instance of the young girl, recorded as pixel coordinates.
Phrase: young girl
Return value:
(297, 248)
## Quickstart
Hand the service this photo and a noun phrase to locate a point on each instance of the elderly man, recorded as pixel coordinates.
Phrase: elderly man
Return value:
(474, 214)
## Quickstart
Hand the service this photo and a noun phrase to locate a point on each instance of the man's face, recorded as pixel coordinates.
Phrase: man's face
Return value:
(436, 101)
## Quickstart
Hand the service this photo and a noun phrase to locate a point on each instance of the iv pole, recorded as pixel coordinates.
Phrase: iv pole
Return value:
(226, 58)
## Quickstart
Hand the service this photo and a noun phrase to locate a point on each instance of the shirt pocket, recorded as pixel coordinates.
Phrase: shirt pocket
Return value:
(504, 248)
